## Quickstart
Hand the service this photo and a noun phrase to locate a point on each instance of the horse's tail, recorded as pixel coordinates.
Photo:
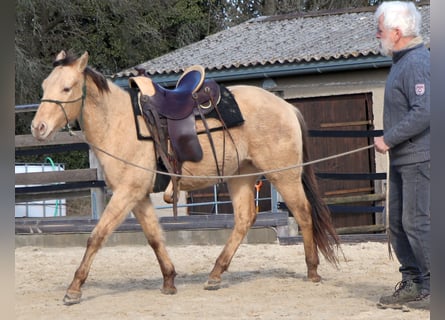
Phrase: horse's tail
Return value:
(325, 235)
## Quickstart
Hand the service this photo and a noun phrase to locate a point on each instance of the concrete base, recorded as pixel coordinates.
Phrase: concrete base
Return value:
(172, 238)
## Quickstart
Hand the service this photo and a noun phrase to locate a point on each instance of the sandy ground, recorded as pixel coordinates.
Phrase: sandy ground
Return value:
(264, 281)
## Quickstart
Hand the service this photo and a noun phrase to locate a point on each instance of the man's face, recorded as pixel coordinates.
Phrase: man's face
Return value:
(387, 38)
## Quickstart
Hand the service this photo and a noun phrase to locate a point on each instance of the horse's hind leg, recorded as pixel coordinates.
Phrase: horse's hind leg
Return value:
(293, 194)
(113, 215)
(242, 195)
(145, 214)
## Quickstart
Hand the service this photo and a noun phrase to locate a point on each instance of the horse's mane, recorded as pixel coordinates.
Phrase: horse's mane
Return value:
(99, 79)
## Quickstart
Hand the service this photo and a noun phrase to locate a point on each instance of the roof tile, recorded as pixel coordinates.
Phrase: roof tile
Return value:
(279, 40)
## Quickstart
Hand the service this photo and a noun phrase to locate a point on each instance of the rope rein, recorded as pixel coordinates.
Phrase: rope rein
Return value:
(226, 176)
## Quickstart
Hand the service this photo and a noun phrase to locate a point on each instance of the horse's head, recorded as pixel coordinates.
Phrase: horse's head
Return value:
(64, 94)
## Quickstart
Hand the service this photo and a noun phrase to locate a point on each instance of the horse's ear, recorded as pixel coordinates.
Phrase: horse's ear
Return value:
(61, 55)
(83, 61)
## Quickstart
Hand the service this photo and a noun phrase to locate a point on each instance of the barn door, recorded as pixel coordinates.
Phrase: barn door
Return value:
(339, 124)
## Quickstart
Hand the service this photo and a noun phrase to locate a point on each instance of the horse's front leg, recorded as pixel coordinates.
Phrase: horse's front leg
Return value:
(113, 215)
(145, 214)
(242, 194)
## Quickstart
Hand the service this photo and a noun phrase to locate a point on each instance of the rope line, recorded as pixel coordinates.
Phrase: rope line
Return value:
(227, 176)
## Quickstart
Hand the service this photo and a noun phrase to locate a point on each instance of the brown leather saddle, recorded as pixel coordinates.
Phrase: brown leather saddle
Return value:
(171, 113)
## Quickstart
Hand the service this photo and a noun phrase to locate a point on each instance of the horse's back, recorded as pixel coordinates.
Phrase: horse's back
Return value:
(257, 102)
(266, 115)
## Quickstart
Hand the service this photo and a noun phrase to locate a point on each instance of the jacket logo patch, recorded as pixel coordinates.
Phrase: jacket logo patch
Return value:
(420, 89)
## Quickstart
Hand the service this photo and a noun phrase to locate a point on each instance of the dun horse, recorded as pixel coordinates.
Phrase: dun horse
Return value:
(73, 90)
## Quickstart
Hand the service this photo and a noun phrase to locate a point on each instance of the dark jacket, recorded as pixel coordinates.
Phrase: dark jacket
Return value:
(406, 114)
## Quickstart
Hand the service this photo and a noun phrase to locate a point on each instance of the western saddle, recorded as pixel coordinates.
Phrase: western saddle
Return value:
(193, 96)
(170, 115)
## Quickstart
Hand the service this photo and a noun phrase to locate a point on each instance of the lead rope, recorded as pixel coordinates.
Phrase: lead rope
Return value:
(388, 231)
(229, 176)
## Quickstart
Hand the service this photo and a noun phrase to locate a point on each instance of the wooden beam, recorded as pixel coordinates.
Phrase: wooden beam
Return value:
(201, 222)
(354, 199)
(56, 176)
(361, 229)
(346, 191)
(28, 141)
(60, 194)
(345, 124)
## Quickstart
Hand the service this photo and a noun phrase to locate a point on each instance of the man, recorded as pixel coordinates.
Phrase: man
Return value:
(406, 122)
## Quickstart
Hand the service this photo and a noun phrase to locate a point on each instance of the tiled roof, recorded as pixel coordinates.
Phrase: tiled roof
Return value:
(280, 39)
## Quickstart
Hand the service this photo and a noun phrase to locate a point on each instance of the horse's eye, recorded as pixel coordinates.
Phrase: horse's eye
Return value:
(66, 89)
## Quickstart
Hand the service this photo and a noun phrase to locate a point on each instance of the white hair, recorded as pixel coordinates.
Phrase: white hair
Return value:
(402, 15)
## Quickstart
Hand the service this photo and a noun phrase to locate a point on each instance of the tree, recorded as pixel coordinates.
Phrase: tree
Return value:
(272, 7)
(117, 33)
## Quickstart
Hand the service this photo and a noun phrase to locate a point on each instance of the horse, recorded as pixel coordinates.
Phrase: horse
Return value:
(75, 91)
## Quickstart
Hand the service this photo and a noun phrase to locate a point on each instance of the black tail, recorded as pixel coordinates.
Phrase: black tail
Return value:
(325, 235)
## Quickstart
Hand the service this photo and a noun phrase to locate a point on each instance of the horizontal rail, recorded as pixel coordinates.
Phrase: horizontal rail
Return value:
(71, 193)
(344, 133)
(345, 124)
(355, 209)
(26, 108)
(354, 199)
(52, 149)
(46, 177)
(352, 176)
(76, 225)
(348, 191)
(29, 141)
(55, 191)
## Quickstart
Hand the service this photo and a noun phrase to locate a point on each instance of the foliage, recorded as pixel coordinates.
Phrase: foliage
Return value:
(117, 34)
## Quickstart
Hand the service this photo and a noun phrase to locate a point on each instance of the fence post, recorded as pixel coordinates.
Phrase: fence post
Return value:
(97, 194)
(291, 227)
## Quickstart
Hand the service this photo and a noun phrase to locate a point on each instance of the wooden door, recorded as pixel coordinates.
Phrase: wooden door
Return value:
(339, 124)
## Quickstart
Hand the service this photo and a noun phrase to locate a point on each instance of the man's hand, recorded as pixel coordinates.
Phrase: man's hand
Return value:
(380, 145)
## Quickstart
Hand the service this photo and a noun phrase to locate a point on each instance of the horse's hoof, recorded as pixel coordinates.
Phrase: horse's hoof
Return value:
(212, 284)
(171, 290)
(72, 298)
(315, 278)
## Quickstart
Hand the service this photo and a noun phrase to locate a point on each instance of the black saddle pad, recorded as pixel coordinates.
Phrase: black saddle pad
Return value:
(228, 109)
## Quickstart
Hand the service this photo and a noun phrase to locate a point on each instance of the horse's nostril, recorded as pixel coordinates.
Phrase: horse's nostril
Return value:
(38, 130)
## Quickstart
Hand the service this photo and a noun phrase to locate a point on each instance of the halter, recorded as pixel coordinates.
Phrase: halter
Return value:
(59, 103)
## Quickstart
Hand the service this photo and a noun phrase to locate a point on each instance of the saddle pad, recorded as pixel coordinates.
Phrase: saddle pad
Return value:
(228, 109)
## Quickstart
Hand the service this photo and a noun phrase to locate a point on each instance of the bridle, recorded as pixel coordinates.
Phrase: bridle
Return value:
(60, 104)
